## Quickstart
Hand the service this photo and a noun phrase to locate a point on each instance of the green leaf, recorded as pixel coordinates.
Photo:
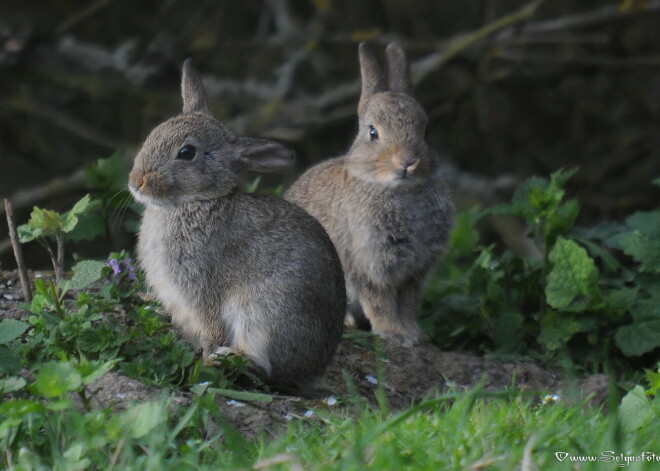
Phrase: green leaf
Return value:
(464, 237)
(109, 175)
(646, 222)
(11, 384)
(556, 330)
(635, 410)
(508, 331)
(10, 361)
(141, 419)
(620, 301)
(56, 379)
(653, 378)
(561, 220)
(42, 223)
(85, 273)
(242, 395)
(571, 285)
(644, 250)
(81, 208)
(95, 369)
(89, 227)
(642, 335)
(11, 329)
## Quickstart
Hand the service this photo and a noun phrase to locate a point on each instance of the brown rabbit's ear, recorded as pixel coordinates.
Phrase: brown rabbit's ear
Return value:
(192, 90)
(398, 72)
(372, 77)
(263, 155)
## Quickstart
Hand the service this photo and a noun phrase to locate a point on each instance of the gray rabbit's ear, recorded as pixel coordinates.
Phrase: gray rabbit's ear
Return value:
(192, 90)
(398, 72)
(263, 155)
(372, 77)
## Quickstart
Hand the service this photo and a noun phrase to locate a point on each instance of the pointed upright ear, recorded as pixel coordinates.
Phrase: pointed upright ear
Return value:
(372, 77)
(263, 155)
(192, 90)
(398, 72)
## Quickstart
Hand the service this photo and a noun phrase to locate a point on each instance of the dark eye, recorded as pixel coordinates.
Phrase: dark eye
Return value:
(186, 153)
(373, 133)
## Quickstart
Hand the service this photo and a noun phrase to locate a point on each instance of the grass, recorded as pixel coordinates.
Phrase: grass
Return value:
(457, 431)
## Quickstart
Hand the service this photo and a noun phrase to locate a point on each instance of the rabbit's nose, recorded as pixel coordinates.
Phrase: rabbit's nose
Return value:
(137, 180)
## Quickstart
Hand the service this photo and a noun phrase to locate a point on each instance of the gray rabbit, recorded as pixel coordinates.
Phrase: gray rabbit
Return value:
(384, 204)
(245, 273)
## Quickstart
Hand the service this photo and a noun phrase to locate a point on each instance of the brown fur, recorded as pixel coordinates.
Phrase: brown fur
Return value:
(384, 204)
(244, 273)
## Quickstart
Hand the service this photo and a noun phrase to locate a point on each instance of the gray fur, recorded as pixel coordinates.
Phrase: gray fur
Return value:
(384, 204)
(244, 273)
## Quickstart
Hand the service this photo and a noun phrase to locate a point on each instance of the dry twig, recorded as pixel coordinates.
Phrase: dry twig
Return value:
(18, 252)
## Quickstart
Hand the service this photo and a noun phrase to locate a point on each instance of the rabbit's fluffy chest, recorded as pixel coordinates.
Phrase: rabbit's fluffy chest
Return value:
(164, 277)
(400, 236)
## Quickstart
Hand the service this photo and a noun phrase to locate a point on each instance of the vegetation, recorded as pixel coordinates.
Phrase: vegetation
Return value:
(588, 286)
(482, 298)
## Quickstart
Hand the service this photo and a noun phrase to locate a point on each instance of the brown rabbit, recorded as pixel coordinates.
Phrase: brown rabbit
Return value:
(384, 204)
(245, 273)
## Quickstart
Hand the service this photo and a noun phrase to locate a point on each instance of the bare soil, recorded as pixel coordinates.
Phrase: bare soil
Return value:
(408, 375)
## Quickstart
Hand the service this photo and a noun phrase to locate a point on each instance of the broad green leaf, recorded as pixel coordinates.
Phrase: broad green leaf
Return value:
(56, 379)
(10, 361)
(508, 331)
(11, 329)
(464, 237)
(646, 222)
(88, 227)
(81, 208)
(141, 419)
(571, 285)
(642, 335)
(561, 220)
(42, 223)
(109, 175)
(85, 273)
(557, 329)
(95, 369)
(635, 410)
(620, 301)
(11, 384)
(653, 378)
(644, 250)
(73, 457)
(27, 233)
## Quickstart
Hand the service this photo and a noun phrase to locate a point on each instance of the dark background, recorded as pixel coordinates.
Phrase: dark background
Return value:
(570, 83)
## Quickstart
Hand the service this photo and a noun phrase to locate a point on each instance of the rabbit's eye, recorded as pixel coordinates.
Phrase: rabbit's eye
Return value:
(186, 153)
(373, 133)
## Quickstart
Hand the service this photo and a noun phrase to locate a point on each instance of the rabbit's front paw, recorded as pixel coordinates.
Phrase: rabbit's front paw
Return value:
(405, 337)
(217, 353)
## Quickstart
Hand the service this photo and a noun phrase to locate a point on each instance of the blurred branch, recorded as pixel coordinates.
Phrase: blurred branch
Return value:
(591, 60)
(581, 20)
(52, 189)
(454, 46)
(64, 121)
(82, 15)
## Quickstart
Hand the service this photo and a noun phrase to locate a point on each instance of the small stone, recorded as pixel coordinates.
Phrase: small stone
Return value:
(371, 379)
(308, 414)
